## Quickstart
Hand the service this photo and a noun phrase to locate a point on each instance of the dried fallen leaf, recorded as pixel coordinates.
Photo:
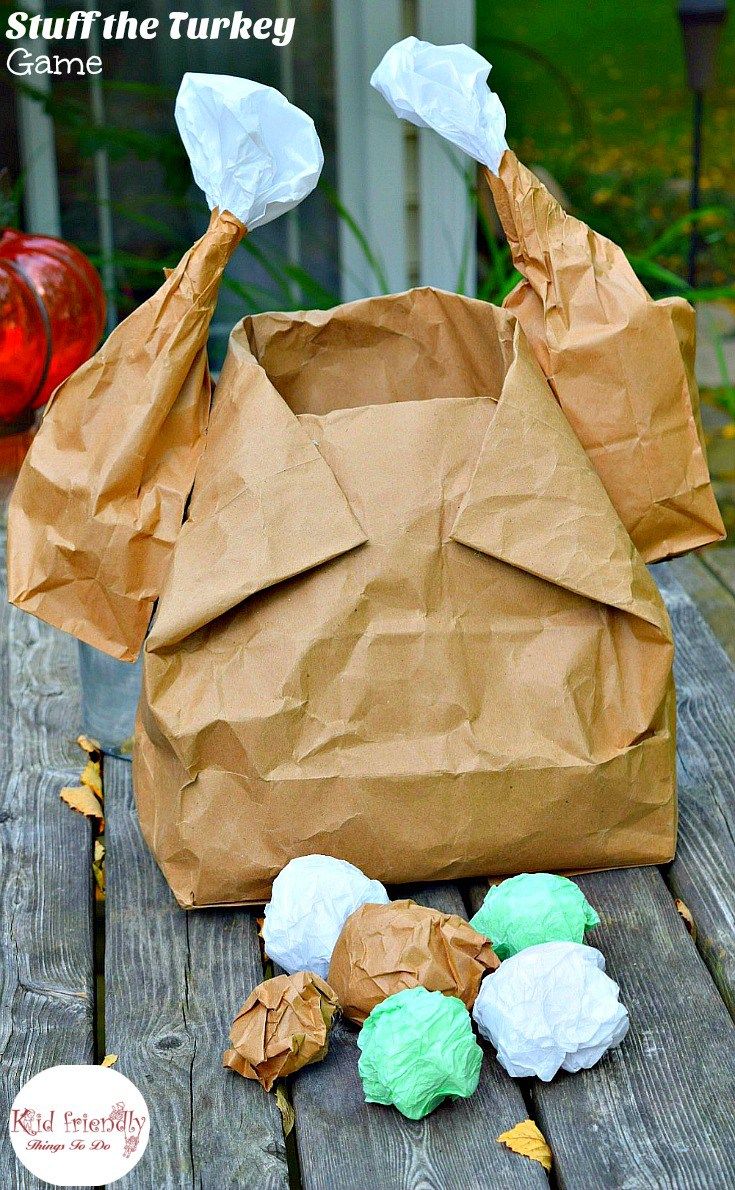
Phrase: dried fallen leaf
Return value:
(284, 1107)
(92, 776)
(686, 915)
(109, 1060)
(82, 799)
(529, 1141)
(98, 866)
(87, 745)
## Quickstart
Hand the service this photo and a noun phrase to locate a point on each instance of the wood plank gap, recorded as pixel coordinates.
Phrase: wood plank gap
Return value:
(98, 943)
(344, 1142)
(473, 895)
(98, 955)
(292, 1148)
(174, 982)
(46, 972)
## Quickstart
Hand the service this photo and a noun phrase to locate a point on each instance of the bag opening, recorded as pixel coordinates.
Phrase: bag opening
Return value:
(413, 346)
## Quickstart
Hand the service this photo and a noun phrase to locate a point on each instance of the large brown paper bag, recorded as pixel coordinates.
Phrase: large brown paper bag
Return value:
(620, 365)
(402, 624)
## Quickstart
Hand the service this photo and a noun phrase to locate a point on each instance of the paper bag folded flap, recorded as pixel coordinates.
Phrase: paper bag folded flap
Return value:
(266, 505)
(536, 502)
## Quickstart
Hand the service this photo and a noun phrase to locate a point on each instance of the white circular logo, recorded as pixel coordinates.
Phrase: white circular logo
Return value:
(79, 1125)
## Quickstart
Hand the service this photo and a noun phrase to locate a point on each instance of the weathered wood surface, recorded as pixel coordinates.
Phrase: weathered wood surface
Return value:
(173, 983)
(46, 971)
(705, 585)
(722, 563)
(658, 1111)
(703, 872)
(346, 1144)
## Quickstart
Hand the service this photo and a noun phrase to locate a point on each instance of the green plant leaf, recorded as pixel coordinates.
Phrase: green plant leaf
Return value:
(370, 256)
(680, 229)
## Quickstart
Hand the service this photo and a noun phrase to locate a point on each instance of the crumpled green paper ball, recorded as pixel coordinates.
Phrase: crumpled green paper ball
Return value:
(533, 908)
(418, 1048)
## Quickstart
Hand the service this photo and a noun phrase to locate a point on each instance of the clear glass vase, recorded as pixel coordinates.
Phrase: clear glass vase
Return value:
(110, 694)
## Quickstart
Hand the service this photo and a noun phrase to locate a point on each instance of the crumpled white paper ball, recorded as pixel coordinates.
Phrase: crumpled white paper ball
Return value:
(444, 87)
(311, 900)
(252, 152)
(549, 1007)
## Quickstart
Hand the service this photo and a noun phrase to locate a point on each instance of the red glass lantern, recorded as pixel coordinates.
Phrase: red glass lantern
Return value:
(52, 314)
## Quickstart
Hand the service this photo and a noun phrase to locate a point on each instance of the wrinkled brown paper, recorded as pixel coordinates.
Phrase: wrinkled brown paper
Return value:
(384, 949)
(283, 1025)
(402, 622)
(101, 495)
(620, 364)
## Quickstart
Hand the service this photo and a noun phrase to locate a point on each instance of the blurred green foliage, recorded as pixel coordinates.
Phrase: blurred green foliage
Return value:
(597, 94)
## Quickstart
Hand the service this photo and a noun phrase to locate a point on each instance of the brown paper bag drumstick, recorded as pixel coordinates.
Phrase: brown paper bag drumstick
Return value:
(617, 362)
(101, 496)
(620, 364)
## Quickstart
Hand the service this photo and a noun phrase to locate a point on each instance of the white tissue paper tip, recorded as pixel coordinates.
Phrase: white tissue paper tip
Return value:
(252, 152)
(312, 898)
(444, 87)
(549, 1007)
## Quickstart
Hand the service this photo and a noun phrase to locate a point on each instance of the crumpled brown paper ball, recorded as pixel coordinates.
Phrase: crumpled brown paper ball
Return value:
(283, 1025)
(385, 948)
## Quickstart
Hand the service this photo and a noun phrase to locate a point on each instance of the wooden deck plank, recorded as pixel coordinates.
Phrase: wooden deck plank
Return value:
(722, 563)
(658, 1111)
(715, 601)
(174, 982)
(46, 965)
(703, 872)
(344, 1143)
